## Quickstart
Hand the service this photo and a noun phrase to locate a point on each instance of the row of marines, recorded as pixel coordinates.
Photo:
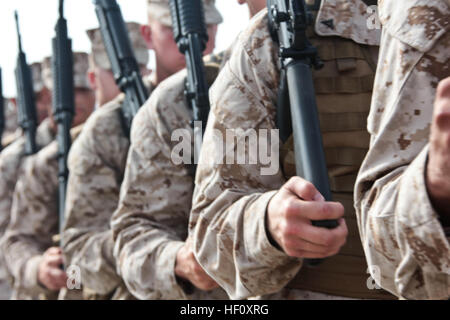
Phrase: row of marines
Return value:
(140, 226)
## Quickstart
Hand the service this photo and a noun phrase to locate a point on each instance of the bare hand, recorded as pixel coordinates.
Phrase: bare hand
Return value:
(50, 273)
(289, 216)
(438, 170)
(188, 268)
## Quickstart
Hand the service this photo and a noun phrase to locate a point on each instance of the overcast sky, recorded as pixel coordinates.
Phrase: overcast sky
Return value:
(38, 19)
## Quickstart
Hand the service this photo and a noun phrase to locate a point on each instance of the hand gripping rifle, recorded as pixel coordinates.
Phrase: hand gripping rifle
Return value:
(289, 20)
(63, 103)
(191, 36)
(121, 56)
(27, 116)
(2, 111)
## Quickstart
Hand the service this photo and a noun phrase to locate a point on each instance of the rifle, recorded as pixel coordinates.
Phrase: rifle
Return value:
(63, 103)
(27, 116)
(288, 21)
(2, 111)
(191, 36)
(123, 61)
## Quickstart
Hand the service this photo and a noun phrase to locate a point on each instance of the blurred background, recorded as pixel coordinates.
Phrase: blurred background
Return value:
(38, 19)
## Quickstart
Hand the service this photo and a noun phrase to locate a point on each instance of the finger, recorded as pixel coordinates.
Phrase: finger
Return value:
(58, 278)
(53, 251)
(295, 244)
(303, 189)
(322, 236)
(310, 255)
(54, 261)
(316, 211)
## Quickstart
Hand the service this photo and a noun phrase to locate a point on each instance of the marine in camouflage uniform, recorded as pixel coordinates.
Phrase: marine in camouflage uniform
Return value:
(97, 165)
(34, 211)
(11, 160)
(228, 225)
(11, 124)
(403, 236)
(151, 223)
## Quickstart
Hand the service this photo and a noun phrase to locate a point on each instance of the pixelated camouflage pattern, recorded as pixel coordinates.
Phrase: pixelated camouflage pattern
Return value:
(97, 164)
(230, 201)
(34, 220)
(400, 230)
(347, 19)
(151, 222)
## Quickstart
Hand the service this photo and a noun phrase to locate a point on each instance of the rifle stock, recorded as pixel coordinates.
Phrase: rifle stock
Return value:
(27, 116)
(191, 36)
(63, 103)
(121, 56)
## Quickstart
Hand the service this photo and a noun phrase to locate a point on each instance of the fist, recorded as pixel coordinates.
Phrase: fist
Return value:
(289, 220)
(188, 268)
(438, 169)
(50, 273)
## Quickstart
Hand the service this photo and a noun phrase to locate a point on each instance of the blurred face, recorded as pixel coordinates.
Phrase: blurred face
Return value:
(169, 60)
(103, 83)
(43, 104)
(84, 105)
(254, 6)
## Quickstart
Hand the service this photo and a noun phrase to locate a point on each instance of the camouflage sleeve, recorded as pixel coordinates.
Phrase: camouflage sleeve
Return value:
(151, 222)
(405, 245)
(33, 221)
(10, 160)
(230, 200)
(92, 196)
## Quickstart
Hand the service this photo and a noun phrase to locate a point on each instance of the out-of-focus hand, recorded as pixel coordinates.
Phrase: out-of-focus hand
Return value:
(187, 267)
(438, 169)
(50, 273)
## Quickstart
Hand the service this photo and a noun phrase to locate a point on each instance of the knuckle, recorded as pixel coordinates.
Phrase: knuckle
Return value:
(289, 208)
(307, 188)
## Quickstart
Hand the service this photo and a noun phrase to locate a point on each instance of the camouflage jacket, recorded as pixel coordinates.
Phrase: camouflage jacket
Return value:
(230, 201)
(34, 221)
(151, 222)
(401, 232)
(10, 163)
(96, 163)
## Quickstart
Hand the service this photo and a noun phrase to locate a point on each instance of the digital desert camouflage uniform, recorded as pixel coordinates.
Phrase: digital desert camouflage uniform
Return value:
(97, 166)
(34, 213)
(402, 236)
(12, 131)
(11, 160)
(151, 223)
(230, 200)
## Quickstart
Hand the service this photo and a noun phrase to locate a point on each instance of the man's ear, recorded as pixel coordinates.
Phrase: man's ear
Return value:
(92, 77)
(146, 32)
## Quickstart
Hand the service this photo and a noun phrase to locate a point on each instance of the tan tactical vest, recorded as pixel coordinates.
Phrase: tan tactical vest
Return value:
(343, 92)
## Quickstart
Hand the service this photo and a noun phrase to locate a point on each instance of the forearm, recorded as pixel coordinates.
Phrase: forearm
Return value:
(231, 243)
(146, 261)
(401, 232)
(92, 252)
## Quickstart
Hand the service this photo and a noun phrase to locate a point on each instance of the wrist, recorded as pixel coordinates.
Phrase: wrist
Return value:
(179, 270)
(269, 232)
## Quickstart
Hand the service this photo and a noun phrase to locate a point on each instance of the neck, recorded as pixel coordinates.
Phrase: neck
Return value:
(159, 76)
